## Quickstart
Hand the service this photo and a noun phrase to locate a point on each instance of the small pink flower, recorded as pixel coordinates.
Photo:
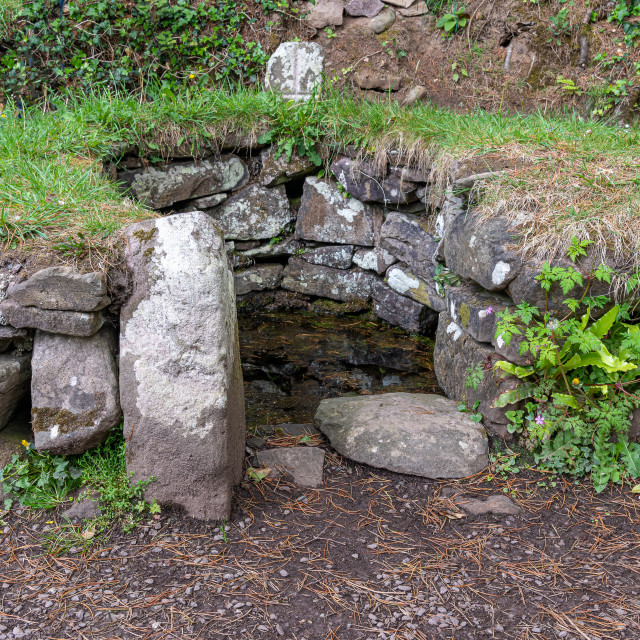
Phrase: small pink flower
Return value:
(489, 310)
(539, 419)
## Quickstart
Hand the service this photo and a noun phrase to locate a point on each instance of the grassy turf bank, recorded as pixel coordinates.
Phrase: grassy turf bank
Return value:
(571, 177)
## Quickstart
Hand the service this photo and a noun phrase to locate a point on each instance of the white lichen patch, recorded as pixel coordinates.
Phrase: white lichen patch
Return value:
(454, 329)
(402, 282)
(500, 272)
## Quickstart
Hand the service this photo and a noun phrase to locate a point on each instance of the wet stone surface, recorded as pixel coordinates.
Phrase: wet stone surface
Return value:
(290, 363)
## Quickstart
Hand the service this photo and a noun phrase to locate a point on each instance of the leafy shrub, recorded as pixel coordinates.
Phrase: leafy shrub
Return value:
(582, 387)
(129, 45)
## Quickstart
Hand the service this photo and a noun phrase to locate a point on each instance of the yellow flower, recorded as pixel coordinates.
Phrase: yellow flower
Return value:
(25, 443)
(576, 381)
(49, 521)
(2, 115)
(193, 75)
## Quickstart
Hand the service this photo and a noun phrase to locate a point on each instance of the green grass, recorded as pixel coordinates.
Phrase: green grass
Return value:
(9, 9)
(569, 176)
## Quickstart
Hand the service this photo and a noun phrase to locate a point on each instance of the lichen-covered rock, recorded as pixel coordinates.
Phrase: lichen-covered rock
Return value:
(516, 351)
(423, 290)
(325, 215)
(180, 378)
(376, 259)
(337, 256)
(71, 323)
(15, 372)
(62, 288)
(258, 278)
(295, 69)
(414, 433)
(160, 188)
(455, 353)
(476, 309)
(255, 213)
(401, 311)
(275, 171)
(336, 284)
(360, 180)
(482, 251)
(74, 391)
(406, 237)
(452, 207)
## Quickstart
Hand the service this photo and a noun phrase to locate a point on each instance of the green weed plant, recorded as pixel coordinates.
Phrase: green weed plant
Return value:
(582, 387)
(43, 481)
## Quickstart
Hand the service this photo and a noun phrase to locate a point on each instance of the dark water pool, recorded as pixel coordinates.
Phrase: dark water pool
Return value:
(292, 361)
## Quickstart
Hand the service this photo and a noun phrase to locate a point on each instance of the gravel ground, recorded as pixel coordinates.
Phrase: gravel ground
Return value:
(371, 555)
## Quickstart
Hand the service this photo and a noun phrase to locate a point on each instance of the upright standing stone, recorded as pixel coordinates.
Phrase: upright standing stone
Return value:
(295, 69)
(74, 391)
(180, 378)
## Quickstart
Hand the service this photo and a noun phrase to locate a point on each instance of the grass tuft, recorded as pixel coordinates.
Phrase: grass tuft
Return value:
(9, 9)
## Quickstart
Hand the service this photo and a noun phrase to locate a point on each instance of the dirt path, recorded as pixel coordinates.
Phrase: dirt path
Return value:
(371, 555)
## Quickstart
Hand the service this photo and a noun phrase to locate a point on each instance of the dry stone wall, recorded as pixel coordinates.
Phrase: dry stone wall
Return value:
(250, 227)
(253, 229)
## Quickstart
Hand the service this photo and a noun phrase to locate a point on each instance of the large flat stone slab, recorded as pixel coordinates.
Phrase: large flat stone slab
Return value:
(70, 323)
(180, 379)
(62, 288)
(295, 69)
(418, 434)
(74, 391)
(303, 464)
(160, 188)
(325, 215)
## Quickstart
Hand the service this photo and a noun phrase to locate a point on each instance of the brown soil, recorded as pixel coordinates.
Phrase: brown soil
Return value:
(414, 50)
(371, 555)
